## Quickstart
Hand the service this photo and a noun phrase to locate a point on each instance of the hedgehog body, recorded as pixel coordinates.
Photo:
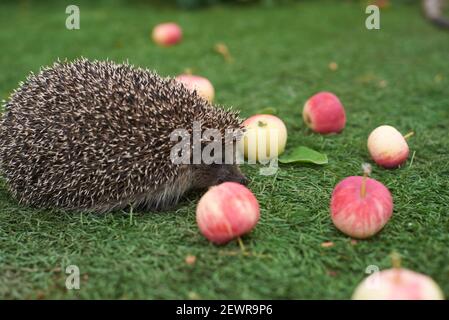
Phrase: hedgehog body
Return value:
(95, 135)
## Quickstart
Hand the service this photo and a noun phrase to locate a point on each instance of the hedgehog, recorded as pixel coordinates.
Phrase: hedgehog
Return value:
(96, 136)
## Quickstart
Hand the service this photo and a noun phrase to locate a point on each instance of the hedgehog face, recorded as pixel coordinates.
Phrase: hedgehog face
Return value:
(221, 170)
(205, 176)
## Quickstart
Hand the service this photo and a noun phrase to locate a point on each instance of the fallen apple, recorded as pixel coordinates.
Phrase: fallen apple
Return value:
(226, 212)
(361, 206)
(167, 34)
(324, 113)
(202, 85)
(388, 147)
(264, 139)
(397, 284)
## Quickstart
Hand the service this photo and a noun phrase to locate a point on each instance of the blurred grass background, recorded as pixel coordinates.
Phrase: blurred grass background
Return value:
(397, 75)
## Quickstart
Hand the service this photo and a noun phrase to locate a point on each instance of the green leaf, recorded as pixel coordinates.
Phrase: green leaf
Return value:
(304, 155)
(268, 110)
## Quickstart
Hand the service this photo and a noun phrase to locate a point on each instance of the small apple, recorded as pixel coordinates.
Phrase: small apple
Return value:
(167, 34)
(227, 211)
(265, 137)
(397, 284)
(388, 147)
(202, 85)
(324, 113)
(361, 206)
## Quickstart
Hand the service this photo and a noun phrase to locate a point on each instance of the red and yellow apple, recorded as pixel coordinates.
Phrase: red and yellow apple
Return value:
(397, 284)
(227, 211)
(324, 113)
(202, 85)
(167, 34)
(387, 147)
(264, 139)
(360, 206)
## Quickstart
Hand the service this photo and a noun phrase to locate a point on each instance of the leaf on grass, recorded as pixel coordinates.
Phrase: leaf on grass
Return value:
(305, 155)
(268, 110)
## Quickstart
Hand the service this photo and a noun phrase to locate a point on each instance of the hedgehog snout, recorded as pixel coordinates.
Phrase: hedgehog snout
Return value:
(205, 176)
(231, 173)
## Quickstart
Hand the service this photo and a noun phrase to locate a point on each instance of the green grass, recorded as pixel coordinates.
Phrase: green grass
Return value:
(281, 58)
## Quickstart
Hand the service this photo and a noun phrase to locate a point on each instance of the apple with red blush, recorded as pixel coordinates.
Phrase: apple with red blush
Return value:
(388, 147)
(398, 284)
(167, 34)
(324, 113)
(360, 206)
(226, 212)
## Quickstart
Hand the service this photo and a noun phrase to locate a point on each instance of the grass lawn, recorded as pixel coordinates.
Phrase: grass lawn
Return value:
(398, 76)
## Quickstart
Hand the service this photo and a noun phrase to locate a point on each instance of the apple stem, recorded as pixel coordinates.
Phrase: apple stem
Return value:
(366, 167)
(242, 246)
(363, 188)
(261, 124)
(396, 262)
(408, 135)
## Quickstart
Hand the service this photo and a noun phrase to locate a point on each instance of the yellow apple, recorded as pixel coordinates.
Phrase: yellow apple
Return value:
(264, 139)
